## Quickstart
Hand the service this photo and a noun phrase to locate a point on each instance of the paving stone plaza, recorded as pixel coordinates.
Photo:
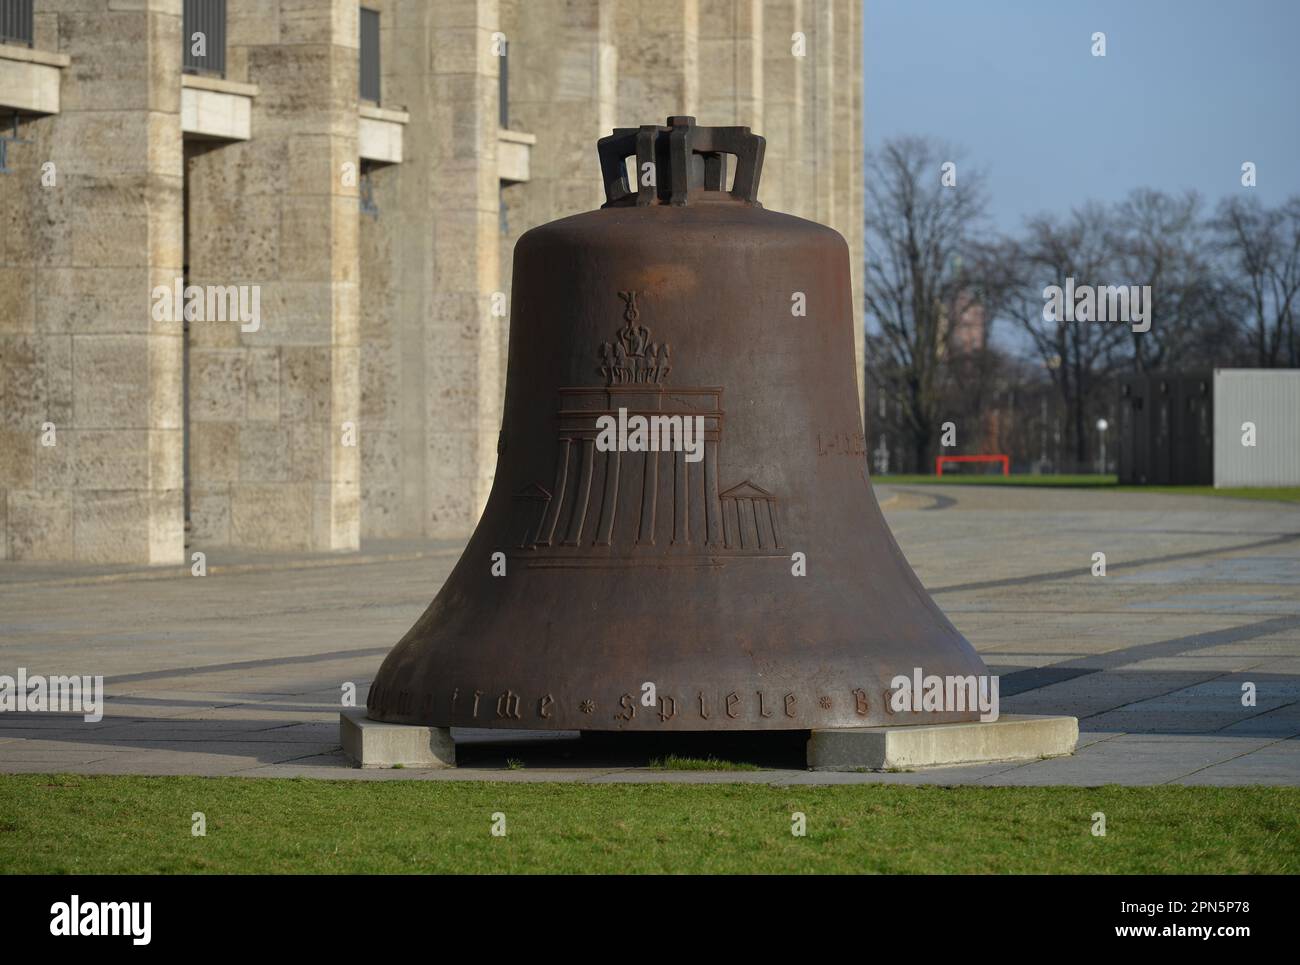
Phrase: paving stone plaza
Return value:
(240, 672)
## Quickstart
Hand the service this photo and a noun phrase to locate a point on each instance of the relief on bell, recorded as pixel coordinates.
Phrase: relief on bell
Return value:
(625, 475)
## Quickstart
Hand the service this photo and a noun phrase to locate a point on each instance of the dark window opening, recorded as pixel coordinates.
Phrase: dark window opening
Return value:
(203, 37)
(16, 22)
(366, 190)
(503, 82)
(370, 55)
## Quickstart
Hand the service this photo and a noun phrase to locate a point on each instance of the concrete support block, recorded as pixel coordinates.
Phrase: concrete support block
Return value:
(1013, 737)
(372, 743)
(29, 79)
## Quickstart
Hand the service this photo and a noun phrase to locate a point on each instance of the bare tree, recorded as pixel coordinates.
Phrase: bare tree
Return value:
(1159, 241)
(1079, 356)
(918, 232)
(1262, 246)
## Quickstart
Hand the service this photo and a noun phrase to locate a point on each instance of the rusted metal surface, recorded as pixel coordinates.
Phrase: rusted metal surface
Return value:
(625, 568)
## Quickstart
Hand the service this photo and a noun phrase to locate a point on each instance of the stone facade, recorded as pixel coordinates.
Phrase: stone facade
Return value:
(364, 402)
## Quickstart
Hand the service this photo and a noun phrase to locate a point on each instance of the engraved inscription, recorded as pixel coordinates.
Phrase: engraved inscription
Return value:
(732, 699)
(508, 705)
(841, 444)
(629, 707)
(860, 701)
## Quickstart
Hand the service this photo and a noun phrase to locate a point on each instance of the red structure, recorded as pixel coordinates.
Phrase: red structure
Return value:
(940, 460)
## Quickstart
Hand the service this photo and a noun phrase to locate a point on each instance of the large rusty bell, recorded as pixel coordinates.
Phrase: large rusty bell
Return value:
(741, 578)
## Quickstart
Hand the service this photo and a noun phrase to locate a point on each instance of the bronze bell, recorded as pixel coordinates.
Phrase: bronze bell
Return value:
(681, 534)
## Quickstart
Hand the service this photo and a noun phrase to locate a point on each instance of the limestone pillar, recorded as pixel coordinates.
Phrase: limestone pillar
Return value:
(272, 410)
(90, 221)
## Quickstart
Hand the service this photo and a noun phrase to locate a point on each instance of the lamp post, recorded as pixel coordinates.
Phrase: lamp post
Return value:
(1102, 426)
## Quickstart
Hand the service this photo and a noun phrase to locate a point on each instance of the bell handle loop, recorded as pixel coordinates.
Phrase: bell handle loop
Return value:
(748, 149)
(684, 142)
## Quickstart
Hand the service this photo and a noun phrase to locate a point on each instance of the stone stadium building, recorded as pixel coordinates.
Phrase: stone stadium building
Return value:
(342, 185)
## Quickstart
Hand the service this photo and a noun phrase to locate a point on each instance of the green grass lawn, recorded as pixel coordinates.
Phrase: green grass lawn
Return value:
(1289, 494)
(143, 825)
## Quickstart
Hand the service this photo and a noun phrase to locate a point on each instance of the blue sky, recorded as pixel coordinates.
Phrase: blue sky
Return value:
(1187, 91)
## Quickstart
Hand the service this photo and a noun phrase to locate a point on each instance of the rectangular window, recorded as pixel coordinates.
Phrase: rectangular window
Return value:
(503, 90)
(203, 37)
(16, 22)
(370, 55)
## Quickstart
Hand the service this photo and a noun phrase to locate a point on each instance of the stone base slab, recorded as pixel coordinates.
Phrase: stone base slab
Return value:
(373, 743)
(1012, 737)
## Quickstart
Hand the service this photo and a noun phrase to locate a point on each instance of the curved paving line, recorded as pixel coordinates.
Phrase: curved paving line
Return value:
(1124, 565)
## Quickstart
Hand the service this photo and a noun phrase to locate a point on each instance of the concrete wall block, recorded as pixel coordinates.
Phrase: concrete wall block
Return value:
(310, 451)
(111, 459)
(238, 180)
(165, 219)
(56, 353)
(306, 240)
(108, 71)
(166, 365)
(217, 380)
(294, 90)
(263, 385)
(294, 313)
(264, 454)
(251, 23)
(234, 241)
(214, 453)
(381, 496)
(18, 457)
(166, 460)
(336, 519)
(167, 527)
(464, 50)
(345, 241)
(380, 389)
(22, 382)
(209, 518)
(164, 59)
(271, 516)
(93, 222)
(305, 373)
(465, 13)
(344, 90)
(55, 465)
(98, 143)
(314, 164)
(112, 381)
(92, 301)
(306, 22)
(111, 527)
(39, 525)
